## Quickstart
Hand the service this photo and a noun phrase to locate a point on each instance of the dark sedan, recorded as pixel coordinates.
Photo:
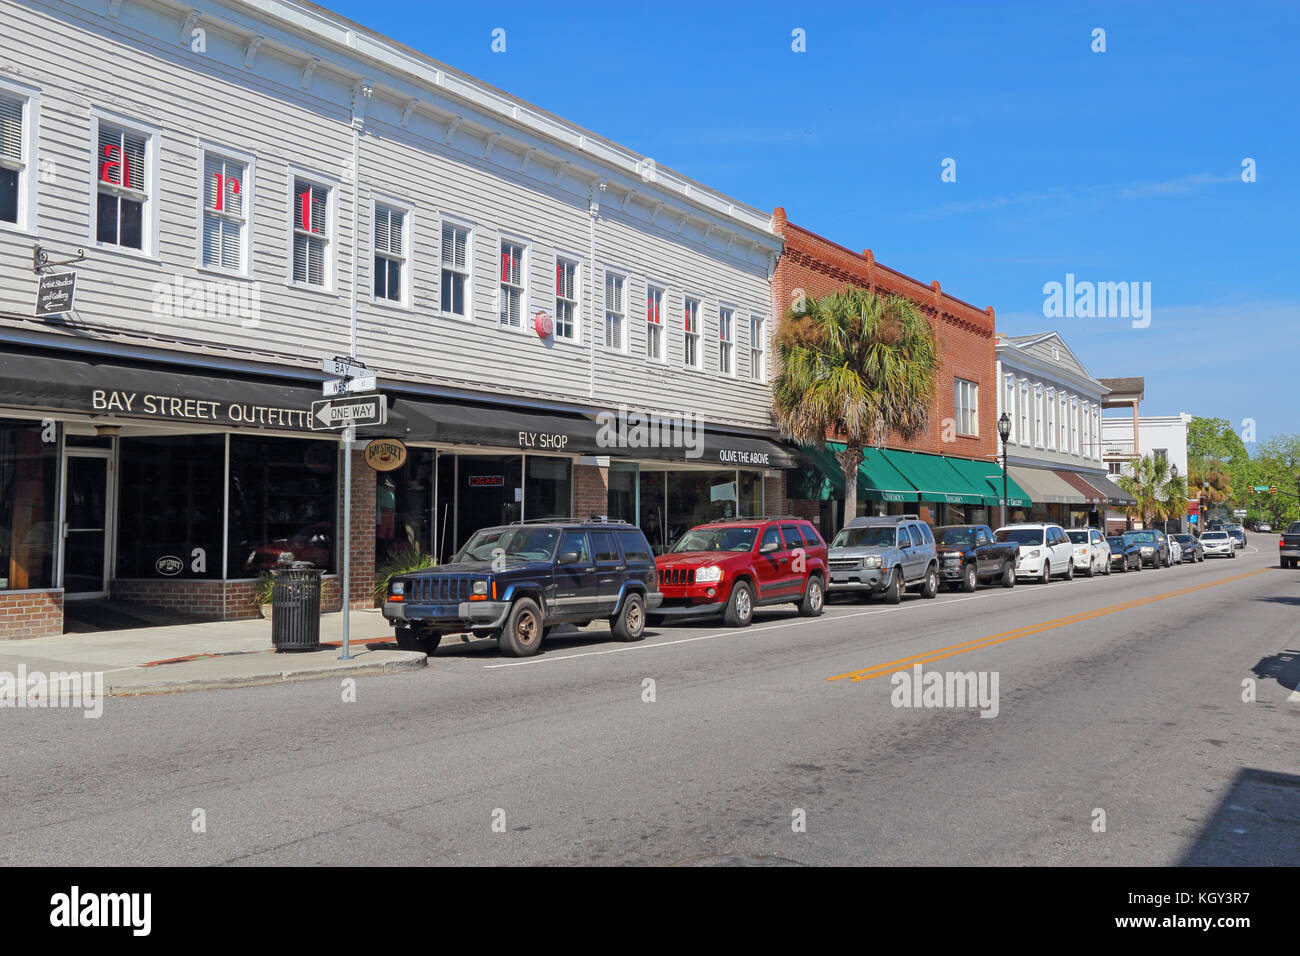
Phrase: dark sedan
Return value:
(1124, 553)
(1191, 545)
(1154, 546)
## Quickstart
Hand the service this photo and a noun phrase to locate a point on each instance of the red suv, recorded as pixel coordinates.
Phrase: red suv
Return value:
(728, 568)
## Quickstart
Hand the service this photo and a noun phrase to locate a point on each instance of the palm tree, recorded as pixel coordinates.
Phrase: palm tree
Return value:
(854, 366)
(1159, 493)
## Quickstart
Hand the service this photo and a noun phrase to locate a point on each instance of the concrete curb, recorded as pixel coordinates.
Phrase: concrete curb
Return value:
(393, 662)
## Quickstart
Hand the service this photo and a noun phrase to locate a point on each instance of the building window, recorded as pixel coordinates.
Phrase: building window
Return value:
(282, 503)
(691, 332)
(566, 299)
(311, 233)
(757, 348)
(1025, 437)
(225, 201)
(1086, 422)
(455, 270)
(966, 406)
(726, 340)
(1074, 426)
(28, 506)
(169, 503)
(1009, 398)
(122, 186)
(654, 323)
(1160, 454)
(615, 309)
(512, 284)
(1096, 432)
(1038, 416)
(14, 161)
(1115, 467)
(390, 253)
(1065, 422)
(1051, 419)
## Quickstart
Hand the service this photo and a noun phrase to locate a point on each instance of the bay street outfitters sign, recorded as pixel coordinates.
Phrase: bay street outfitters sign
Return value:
(55, 292)
(202, 410)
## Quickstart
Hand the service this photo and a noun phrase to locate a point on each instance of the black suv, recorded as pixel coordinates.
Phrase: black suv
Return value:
(515, 582)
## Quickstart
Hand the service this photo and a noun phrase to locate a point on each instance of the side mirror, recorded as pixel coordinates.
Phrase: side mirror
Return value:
(569, 557)
(767, 547)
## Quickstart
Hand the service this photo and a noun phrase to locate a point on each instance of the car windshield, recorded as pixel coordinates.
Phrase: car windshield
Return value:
(1116, 542)
(957, 537)
(1183, 538)
(716, 539)
(1078, 537)
(1214, 536)
(519, 544)
(1293, 528)
(1146, 537)
(1020, 535)
(878, 536)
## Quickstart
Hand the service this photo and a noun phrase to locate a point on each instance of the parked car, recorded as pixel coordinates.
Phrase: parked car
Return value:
(1238, 535)
(1125, 553)
(1288, 546)
(515, 582)
(1218, 544)
(885, 555)
(728, 568)
(1091, 550)
(1175, 550)
(1190, 547)
(311, 544)
(968, 556)
(1044, 550)
(1155, 547)
(1264, 527)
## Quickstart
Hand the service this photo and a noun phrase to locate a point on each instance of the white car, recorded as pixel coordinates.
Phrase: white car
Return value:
(1044, 550)
(1175, 550)
(1091, 550)
(1218, 544)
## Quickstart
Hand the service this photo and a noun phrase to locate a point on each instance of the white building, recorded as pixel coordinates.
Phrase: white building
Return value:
(1162, 436)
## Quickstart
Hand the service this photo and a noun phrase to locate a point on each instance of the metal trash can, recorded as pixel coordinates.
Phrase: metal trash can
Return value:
(295, 607)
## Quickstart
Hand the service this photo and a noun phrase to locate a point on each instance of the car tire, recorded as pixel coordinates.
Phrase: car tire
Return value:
(629, 623)
(740, 606)
(1108, 563)
(1045, 577)
(1092, 568)
(1233, 554)
(522, 634)
(1069, 570)
(814, 597)
(1009, 575)
(418, 639)
(1123, 566)
(969, 579)
(894, 592)
(930, 586)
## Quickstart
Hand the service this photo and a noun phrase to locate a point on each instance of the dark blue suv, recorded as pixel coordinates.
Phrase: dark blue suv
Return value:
(515, 582)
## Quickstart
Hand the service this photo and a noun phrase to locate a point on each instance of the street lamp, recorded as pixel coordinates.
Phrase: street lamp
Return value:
(1205, 506)
(1004, 432)
(1173, 471)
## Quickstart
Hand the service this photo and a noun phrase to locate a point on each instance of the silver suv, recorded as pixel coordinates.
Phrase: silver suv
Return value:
(884, 555)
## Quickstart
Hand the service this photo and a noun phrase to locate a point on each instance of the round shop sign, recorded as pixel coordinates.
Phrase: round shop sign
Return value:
(543, 324)
(169, 565)
(386, 454)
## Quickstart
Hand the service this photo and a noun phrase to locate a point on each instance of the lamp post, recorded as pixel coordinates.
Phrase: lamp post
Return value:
(1205, 506)
(1173, 471)
(1004, 432)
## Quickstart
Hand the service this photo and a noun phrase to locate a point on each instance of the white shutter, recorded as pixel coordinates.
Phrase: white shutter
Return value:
(454, 241)
(11, 129)
(232, 246)
(213, 166)
(382, 236)
(211, 240)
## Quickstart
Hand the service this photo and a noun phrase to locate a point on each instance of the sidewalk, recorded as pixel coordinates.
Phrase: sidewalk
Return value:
(150, 660)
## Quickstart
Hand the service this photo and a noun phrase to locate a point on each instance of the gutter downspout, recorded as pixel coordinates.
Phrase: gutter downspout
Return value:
(593, 213)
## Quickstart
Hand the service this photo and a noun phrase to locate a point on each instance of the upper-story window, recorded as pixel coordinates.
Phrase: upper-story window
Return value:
(1065, 421)
(1026, 437)
(691, 332)
(1051, 418)
(512, 284)
(1086, 424)
(312, 233)
(566, 299)
(654, 323)
(757, 348)
(123, 185)
(1009, 405)
(1096, 432)
(1074, 426)
(1038, 415)
(390, 252)
(966, 406)
(615, 310)
(455, 269)
(15, 161)
(226, 201)
(726, 340)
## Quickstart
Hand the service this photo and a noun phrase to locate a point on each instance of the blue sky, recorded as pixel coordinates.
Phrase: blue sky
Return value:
(1117, 166)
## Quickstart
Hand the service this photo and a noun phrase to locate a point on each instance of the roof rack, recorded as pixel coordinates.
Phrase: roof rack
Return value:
(758, 518)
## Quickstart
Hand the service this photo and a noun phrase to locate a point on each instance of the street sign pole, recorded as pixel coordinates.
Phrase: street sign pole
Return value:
(349, 433)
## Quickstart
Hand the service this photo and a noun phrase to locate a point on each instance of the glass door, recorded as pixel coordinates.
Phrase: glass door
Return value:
(85, 526)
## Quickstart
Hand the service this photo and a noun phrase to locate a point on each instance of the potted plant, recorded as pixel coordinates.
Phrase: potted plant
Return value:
(262, 594)
(404, 560)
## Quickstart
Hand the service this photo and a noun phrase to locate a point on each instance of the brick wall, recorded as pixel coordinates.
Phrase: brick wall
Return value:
(204, 598)
(362, 570)
(590, 491)
(30, 614)
(965, 334)
(774, 495)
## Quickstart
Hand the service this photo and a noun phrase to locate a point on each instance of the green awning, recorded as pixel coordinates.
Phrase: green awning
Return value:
(988, 475)
(878, 480)
(934, 479)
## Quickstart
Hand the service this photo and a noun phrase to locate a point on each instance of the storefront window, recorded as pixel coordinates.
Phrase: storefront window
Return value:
(751, 493)
(695, 497)
(653, 519)
(404, 507)
(169, 507)
(28, 470)
(283, 501)
(490, 492)
(444, 509)
(548, 488)
(622, 492)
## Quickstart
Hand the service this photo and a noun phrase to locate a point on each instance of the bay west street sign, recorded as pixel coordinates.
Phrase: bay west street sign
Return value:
(342, 412)
(344, 386)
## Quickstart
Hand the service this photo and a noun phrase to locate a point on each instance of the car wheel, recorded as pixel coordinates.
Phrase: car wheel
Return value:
(522, 634)
(629, 623)
(1233, 554)
(740, 606)
(1092, 568)
(894, 593)
(418, 639)
(930, 587)
(1108, 563)
(969, 581)
(1123, 566)
(814, 598)
(1069, 570)
(1009, 575)
(1046, 576)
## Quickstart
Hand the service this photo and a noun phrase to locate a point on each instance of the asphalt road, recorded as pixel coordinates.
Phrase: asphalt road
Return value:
(1122, 694)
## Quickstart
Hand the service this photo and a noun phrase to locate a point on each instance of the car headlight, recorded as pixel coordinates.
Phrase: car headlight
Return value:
(709, 575)
(397, 587)
(1033, 554)
(478, 587)
(871, 561)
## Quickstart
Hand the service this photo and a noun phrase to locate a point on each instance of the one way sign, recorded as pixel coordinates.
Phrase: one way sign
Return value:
(341, 412)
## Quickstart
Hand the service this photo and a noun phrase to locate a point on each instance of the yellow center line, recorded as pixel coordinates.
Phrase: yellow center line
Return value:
(952, 650)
